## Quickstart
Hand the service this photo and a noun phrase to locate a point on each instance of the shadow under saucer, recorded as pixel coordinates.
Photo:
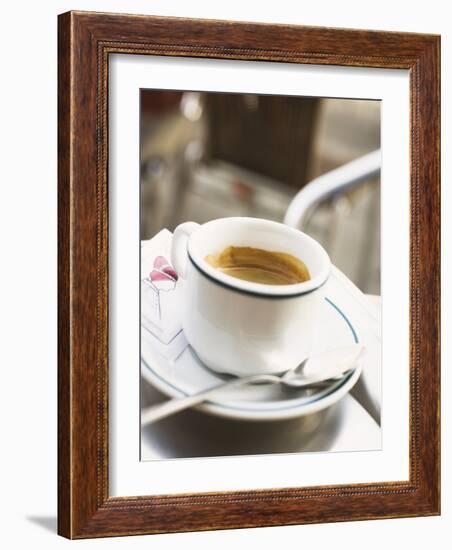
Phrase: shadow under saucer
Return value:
(192, 433)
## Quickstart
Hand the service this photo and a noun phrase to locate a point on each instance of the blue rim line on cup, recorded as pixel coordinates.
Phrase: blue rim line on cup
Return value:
(250, 292)
(196, 252)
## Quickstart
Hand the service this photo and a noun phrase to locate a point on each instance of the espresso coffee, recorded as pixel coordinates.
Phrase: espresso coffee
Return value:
(259, 266)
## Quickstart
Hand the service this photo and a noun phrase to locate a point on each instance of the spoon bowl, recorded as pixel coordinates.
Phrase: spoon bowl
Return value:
(328, 365)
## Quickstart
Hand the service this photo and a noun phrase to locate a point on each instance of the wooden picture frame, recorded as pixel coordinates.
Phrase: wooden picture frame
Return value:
(85, 42)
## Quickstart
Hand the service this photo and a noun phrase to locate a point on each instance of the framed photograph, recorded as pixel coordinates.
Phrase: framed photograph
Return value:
(249, 265)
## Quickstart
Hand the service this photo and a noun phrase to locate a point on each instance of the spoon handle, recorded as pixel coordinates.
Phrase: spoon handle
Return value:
(157, 412)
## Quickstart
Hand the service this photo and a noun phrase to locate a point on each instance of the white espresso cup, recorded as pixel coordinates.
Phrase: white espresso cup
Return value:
(241, 327)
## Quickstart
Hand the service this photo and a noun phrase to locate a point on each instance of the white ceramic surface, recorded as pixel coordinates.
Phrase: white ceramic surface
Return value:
(237, 326)
(187, 375)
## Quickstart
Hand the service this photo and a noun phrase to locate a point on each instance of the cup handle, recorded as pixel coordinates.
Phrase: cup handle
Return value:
(179, 247)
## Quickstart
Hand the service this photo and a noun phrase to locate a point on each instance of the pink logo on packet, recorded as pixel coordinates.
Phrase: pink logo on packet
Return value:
(163, 276)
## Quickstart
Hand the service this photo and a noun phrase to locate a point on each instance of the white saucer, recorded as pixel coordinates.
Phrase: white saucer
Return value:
(186, 374)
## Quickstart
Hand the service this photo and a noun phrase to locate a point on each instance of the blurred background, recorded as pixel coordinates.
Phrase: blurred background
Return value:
(211, 155)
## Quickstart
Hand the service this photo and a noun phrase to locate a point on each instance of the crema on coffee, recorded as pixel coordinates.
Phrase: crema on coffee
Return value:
(259, 266)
